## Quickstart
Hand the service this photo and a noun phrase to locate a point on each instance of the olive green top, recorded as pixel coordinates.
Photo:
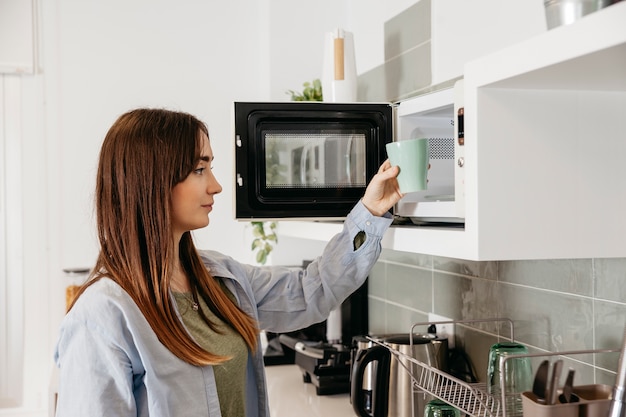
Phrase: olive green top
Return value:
(230, 376)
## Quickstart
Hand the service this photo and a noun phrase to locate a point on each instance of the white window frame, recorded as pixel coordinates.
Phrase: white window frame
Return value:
(11, 245)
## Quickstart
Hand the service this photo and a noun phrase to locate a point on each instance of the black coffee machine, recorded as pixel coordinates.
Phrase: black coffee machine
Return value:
(327, 364)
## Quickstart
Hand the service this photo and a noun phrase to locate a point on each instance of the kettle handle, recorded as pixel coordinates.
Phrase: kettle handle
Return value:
(380, 392)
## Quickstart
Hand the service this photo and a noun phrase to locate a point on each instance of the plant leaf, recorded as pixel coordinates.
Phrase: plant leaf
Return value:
(261, 257)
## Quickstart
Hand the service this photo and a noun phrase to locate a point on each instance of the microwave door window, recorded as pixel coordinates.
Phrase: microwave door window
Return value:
(356, 160)
(347, 152)
(345, 160)
(311, 171)
(277, 168)
(292, 160)
(314, 160)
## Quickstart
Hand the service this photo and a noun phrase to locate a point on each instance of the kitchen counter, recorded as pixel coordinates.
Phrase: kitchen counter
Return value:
(289, 396)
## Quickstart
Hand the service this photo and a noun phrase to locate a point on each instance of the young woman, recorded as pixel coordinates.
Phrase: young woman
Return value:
(163, 329)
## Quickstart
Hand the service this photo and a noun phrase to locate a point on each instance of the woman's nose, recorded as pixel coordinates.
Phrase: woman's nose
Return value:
(214, 187)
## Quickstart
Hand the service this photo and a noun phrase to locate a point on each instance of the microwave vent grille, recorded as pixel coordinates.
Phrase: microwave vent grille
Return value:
(441, 148)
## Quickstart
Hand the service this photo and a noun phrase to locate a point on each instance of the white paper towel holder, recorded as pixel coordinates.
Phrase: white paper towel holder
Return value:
(339, 67)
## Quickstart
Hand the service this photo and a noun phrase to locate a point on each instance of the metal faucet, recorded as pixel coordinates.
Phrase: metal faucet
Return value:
(618, 404)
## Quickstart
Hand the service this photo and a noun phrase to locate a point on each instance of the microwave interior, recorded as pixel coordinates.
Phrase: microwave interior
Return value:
(436, 204)
(306, 160)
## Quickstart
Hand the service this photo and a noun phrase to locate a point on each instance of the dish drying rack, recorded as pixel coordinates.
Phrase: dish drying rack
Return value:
(470, 398)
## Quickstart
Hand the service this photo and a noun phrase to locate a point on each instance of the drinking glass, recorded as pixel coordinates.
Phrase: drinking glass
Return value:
(438, 408)
(517, 375)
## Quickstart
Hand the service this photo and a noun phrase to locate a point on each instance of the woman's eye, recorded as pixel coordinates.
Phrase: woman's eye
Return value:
(199, 171)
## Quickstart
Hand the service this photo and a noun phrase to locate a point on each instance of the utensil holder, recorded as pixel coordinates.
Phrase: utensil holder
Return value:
(532, 408)
(594, 401)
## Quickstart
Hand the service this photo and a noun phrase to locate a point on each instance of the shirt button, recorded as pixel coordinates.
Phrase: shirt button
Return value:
(368, 223)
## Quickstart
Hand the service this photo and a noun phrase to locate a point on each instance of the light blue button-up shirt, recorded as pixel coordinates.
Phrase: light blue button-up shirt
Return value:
(112, 364)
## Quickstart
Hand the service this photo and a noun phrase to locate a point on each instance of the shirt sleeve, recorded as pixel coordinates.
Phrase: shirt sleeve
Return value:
(95, 375)
(289, 300)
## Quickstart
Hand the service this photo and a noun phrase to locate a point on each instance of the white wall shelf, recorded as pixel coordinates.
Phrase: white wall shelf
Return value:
(544, 149)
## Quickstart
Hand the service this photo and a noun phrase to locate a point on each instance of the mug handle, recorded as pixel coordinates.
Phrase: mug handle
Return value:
(380, 392)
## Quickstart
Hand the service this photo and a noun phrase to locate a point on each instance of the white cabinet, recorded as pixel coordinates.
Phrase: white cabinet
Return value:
(544, 151)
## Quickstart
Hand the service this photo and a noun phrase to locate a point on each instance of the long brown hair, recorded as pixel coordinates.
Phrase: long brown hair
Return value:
(144, 155)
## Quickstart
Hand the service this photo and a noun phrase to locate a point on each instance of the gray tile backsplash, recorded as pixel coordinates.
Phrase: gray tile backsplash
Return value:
(402, 76)
(555, 305)
(611, 275)
(408, 29)
(407, 68)
(570, 276)
(409, 286)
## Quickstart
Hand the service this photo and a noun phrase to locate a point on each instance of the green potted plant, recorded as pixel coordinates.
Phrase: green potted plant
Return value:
(312, 92)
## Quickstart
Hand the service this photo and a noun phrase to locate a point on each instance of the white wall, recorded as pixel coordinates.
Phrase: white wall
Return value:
(100, 59)
(192, 56)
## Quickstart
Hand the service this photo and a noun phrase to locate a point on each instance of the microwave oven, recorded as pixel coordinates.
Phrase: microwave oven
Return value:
(313, 160)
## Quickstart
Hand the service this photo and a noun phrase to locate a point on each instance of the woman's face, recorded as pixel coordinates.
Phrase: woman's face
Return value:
(192, 198)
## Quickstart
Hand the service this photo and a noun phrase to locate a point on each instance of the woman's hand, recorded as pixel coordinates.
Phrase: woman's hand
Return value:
(383, 191)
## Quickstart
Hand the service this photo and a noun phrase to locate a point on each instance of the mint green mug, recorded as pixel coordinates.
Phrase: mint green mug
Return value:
(412, 157)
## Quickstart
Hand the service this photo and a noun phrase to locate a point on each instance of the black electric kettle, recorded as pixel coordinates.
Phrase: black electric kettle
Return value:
(391, 386)
(360, 344)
